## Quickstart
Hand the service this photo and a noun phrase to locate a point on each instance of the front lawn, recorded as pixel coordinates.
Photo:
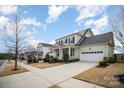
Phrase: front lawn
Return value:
(8, 70)
(111, 76)
(43, 65)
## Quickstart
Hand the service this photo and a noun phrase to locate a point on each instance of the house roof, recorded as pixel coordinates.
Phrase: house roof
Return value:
(46, 44)
(97, 39)
(76, 33)
(120, 55)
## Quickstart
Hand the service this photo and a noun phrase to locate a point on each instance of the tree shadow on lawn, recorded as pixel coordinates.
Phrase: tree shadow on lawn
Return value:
(120, 78)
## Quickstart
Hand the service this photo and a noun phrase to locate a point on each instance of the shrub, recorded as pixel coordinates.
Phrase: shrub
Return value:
(40, 59)
(35, 60)
(105, 59)
(66, 57)
(47, 57)
(56, 60)
(61, 60)
(111, 60)
(32, 59)
(73, 60)
(51, 59)
(102, 63)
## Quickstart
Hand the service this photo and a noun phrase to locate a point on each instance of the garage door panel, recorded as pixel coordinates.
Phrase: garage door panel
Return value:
(91, 57)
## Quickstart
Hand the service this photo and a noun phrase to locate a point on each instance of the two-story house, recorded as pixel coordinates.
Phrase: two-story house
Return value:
(43, 49)
(85, 46)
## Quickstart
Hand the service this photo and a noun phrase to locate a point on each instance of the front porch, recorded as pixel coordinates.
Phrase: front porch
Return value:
(72, 52)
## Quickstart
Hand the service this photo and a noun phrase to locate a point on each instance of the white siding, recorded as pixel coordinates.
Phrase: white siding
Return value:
(107, 52)
(45, 51)
(110, 51)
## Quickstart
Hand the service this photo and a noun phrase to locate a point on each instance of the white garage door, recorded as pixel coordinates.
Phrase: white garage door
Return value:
(91, 56)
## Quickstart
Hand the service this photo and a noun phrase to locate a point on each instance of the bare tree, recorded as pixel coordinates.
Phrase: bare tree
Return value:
(117, 24)
(15, 37)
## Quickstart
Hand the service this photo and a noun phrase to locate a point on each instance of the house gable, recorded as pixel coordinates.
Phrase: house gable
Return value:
(68, 40)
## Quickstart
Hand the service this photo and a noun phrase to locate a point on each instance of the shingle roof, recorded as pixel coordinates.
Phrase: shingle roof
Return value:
(102, 38)
(46, 44)
(119, 55)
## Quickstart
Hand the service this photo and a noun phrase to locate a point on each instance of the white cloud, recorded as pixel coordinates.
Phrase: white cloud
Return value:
(30, 21)
(44, 26)
(89, 22)
(4, 9)
(101, 22)
(54, 12)
(31, 40)
(98, 24)
(34, 23)
(3, 21)
(75, 31)
(89, 11)
(52, 42)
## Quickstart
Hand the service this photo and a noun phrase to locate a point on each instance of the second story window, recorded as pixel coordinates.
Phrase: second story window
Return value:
(73, 39)
(69, 40)
(61, 42)
(65, 40)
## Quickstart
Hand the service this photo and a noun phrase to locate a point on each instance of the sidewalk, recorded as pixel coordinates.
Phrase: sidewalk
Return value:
(48, 77)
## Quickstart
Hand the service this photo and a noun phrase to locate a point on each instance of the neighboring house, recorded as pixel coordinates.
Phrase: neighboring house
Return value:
(26, 54)
(119, 57)
(85, 46)
(43, 49)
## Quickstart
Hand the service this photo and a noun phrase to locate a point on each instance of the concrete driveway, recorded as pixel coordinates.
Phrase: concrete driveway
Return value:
(59, 75)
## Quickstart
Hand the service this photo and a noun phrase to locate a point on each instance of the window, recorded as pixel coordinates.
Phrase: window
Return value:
(65, 40)
(61, 42)
(72, 51)
(57, 53)
(69, 40)
(73, 39)
(121, 57)
(95, 52)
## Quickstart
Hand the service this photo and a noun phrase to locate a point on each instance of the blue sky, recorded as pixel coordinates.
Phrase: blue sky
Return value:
(47, 23)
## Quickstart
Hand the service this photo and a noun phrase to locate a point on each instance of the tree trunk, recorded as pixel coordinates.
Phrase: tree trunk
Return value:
(15, 64)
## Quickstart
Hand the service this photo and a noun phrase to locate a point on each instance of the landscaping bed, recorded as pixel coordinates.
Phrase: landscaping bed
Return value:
(9, 70)
(110, 76)
(43, 65)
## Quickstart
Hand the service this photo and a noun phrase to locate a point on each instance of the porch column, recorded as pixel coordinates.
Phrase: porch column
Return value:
(69, 52)
(60, 54)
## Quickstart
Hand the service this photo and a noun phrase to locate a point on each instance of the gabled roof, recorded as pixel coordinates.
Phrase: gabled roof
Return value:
(80, 33)
(97, 39)
(45, 44)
